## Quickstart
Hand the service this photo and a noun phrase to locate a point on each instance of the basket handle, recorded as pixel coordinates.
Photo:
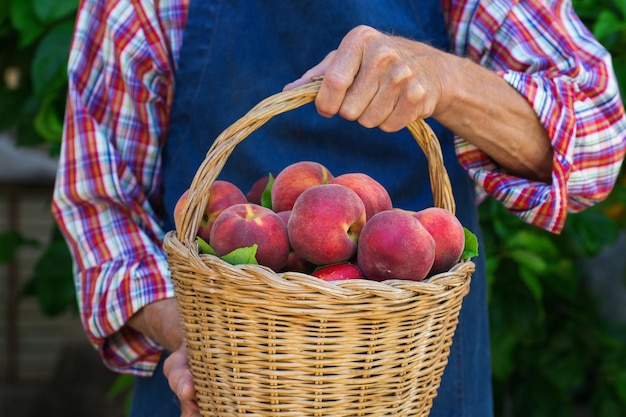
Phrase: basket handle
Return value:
(224, 144)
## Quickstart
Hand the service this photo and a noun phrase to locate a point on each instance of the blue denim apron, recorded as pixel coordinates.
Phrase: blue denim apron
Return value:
(236, 53)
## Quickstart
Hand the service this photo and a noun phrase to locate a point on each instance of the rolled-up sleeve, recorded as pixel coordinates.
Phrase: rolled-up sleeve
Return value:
(543, 50)
(107, 193)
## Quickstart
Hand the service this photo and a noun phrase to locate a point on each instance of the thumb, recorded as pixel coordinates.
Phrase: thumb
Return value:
(178, 374)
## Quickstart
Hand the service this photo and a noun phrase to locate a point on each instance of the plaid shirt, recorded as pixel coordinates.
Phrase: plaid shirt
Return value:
(121, 72)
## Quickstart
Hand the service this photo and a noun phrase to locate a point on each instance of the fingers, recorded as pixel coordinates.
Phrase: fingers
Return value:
(178, 374)
(341, 76)
(189, 409)
(176, 369)
(392, 112)
(378, 80)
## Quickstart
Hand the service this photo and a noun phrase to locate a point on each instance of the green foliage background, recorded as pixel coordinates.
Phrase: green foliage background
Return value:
(554, 354)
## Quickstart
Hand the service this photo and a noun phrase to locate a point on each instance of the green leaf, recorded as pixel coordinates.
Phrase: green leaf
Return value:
(492, 264)
(6, 31)
(502, 356)
(5, 7)
(532, 282)
(204, 246)
(53, 281)
(563, 279)
(606, 24)
(620, 385)
(123, 383)
(48, 123)
(49, 65)
(533, 240)
(25, 20)
(590, 231)
(51, 10)
(586, 9)
(620, 72)
(529, 259)
(621, 6)
(266, 197)
(470, 249)
(240, 256)
(10, 242)
(606, 405)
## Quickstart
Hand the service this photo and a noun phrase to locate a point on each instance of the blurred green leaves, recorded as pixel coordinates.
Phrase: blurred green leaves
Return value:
(52, 284)
(607, 20)
(36, 36)
(10, 242)
(553, 353)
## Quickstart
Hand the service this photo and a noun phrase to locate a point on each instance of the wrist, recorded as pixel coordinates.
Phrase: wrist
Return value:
(160, 322)
(456, 76)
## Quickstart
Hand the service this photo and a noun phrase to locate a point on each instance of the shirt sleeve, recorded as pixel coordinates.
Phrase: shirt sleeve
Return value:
(106, 198)
(542, 49)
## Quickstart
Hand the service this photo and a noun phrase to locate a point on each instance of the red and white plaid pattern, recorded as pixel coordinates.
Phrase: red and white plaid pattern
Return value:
(121, 70)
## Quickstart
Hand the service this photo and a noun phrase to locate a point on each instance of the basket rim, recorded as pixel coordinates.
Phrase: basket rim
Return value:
(297, 283)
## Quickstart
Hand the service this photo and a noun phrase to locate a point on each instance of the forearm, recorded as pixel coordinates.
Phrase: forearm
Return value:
(160, 322)
(482, 108)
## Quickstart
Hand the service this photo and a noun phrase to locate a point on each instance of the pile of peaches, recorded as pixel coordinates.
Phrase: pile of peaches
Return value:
(332, 227)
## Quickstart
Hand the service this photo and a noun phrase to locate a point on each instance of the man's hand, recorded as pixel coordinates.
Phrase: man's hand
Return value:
(176, 369)
(380, 80)
(388, 81)
(160, 321)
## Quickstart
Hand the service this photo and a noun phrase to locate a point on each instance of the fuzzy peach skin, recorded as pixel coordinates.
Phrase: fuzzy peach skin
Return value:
(255, 192)
(448, 233)
(394, 245)
(221, 195)
(243, 225)
(295, 261)
(293, 180)
(325, 223)
(374, 195)
(338, 272)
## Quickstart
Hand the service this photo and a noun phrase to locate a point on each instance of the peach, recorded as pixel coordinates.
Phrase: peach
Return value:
(179, 207)
(325, 223)
(295, 261)
(337, 272)
(255, 193)
(285, 215)
(374, 195)
(448, 233)
(293, 180)
(243, 225)
(394, 245)
(222, 194)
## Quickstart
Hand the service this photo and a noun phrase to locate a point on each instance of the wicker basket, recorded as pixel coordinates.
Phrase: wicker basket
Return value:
(287, 344)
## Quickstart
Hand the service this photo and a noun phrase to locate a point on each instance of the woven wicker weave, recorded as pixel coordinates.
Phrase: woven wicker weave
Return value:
(287, 344)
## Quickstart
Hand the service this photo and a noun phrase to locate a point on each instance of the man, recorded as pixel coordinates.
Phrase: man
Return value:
(538, 125)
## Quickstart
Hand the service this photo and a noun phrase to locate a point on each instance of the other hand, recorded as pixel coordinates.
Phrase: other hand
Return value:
(159, 320)
(178, 374)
